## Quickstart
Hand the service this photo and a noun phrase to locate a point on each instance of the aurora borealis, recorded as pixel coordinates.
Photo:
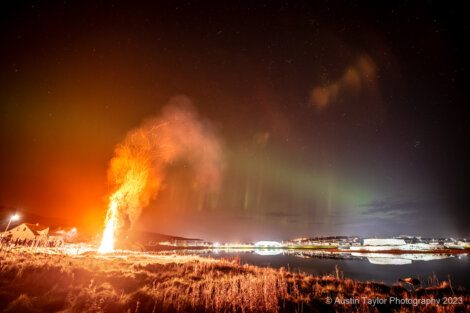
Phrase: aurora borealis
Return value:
(335, 118)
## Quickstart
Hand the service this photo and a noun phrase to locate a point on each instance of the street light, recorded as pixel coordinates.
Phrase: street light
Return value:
(13, 218)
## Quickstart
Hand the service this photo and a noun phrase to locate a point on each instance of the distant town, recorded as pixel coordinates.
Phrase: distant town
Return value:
(351, 243)
(35, 235)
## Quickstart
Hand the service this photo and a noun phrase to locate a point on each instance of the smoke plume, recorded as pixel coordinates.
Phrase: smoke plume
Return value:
(139, 165)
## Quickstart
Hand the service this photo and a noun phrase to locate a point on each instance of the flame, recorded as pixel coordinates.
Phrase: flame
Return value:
(107, 242)
(134, 181)
(137, 169)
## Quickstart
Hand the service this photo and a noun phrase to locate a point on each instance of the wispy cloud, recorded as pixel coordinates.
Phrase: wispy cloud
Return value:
(356, 77)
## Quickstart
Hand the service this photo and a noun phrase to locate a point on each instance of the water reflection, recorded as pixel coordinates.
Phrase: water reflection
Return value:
(268, 251)
(379, 267)
(374, 258)
(401, 259)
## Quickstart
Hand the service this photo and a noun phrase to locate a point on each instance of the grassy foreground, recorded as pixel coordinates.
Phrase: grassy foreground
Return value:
(42, 282)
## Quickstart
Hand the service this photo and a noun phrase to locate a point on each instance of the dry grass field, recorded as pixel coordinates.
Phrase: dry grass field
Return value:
(137, 282)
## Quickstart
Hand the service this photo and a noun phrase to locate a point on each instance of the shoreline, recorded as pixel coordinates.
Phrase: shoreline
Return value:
(321, 249)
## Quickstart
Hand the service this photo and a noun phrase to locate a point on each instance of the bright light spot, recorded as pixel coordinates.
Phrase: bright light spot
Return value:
(15, 217)
(268, 243)
(107, 242)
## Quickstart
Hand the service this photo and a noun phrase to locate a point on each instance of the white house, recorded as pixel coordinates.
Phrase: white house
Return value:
(268, 244)
(384, 242)
(27, 231)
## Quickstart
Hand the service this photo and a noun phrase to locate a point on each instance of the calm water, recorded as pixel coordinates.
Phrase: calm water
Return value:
(380, 268)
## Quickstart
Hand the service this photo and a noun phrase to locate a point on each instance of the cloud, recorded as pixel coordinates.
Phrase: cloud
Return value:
(359, 76)
(403, 208)
(261, 139)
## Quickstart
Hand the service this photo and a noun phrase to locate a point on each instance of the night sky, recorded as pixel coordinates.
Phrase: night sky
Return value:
(336, 119)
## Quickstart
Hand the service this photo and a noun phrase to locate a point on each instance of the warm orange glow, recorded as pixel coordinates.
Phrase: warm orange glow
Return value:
(354, 79)
(133, 173)
(138, 167)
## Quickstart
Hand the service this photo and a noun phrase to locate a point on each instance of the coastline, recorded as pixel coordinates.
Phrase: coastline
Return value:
(303, 248)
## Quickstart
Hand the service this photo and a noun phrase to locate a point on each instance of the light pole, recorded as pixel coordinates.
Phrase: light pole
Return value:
(13, 218)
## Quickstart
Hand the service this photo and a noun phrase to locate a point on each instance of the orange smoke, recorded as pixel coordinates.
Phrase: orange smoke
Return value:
(138, 167)
(354, 78)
